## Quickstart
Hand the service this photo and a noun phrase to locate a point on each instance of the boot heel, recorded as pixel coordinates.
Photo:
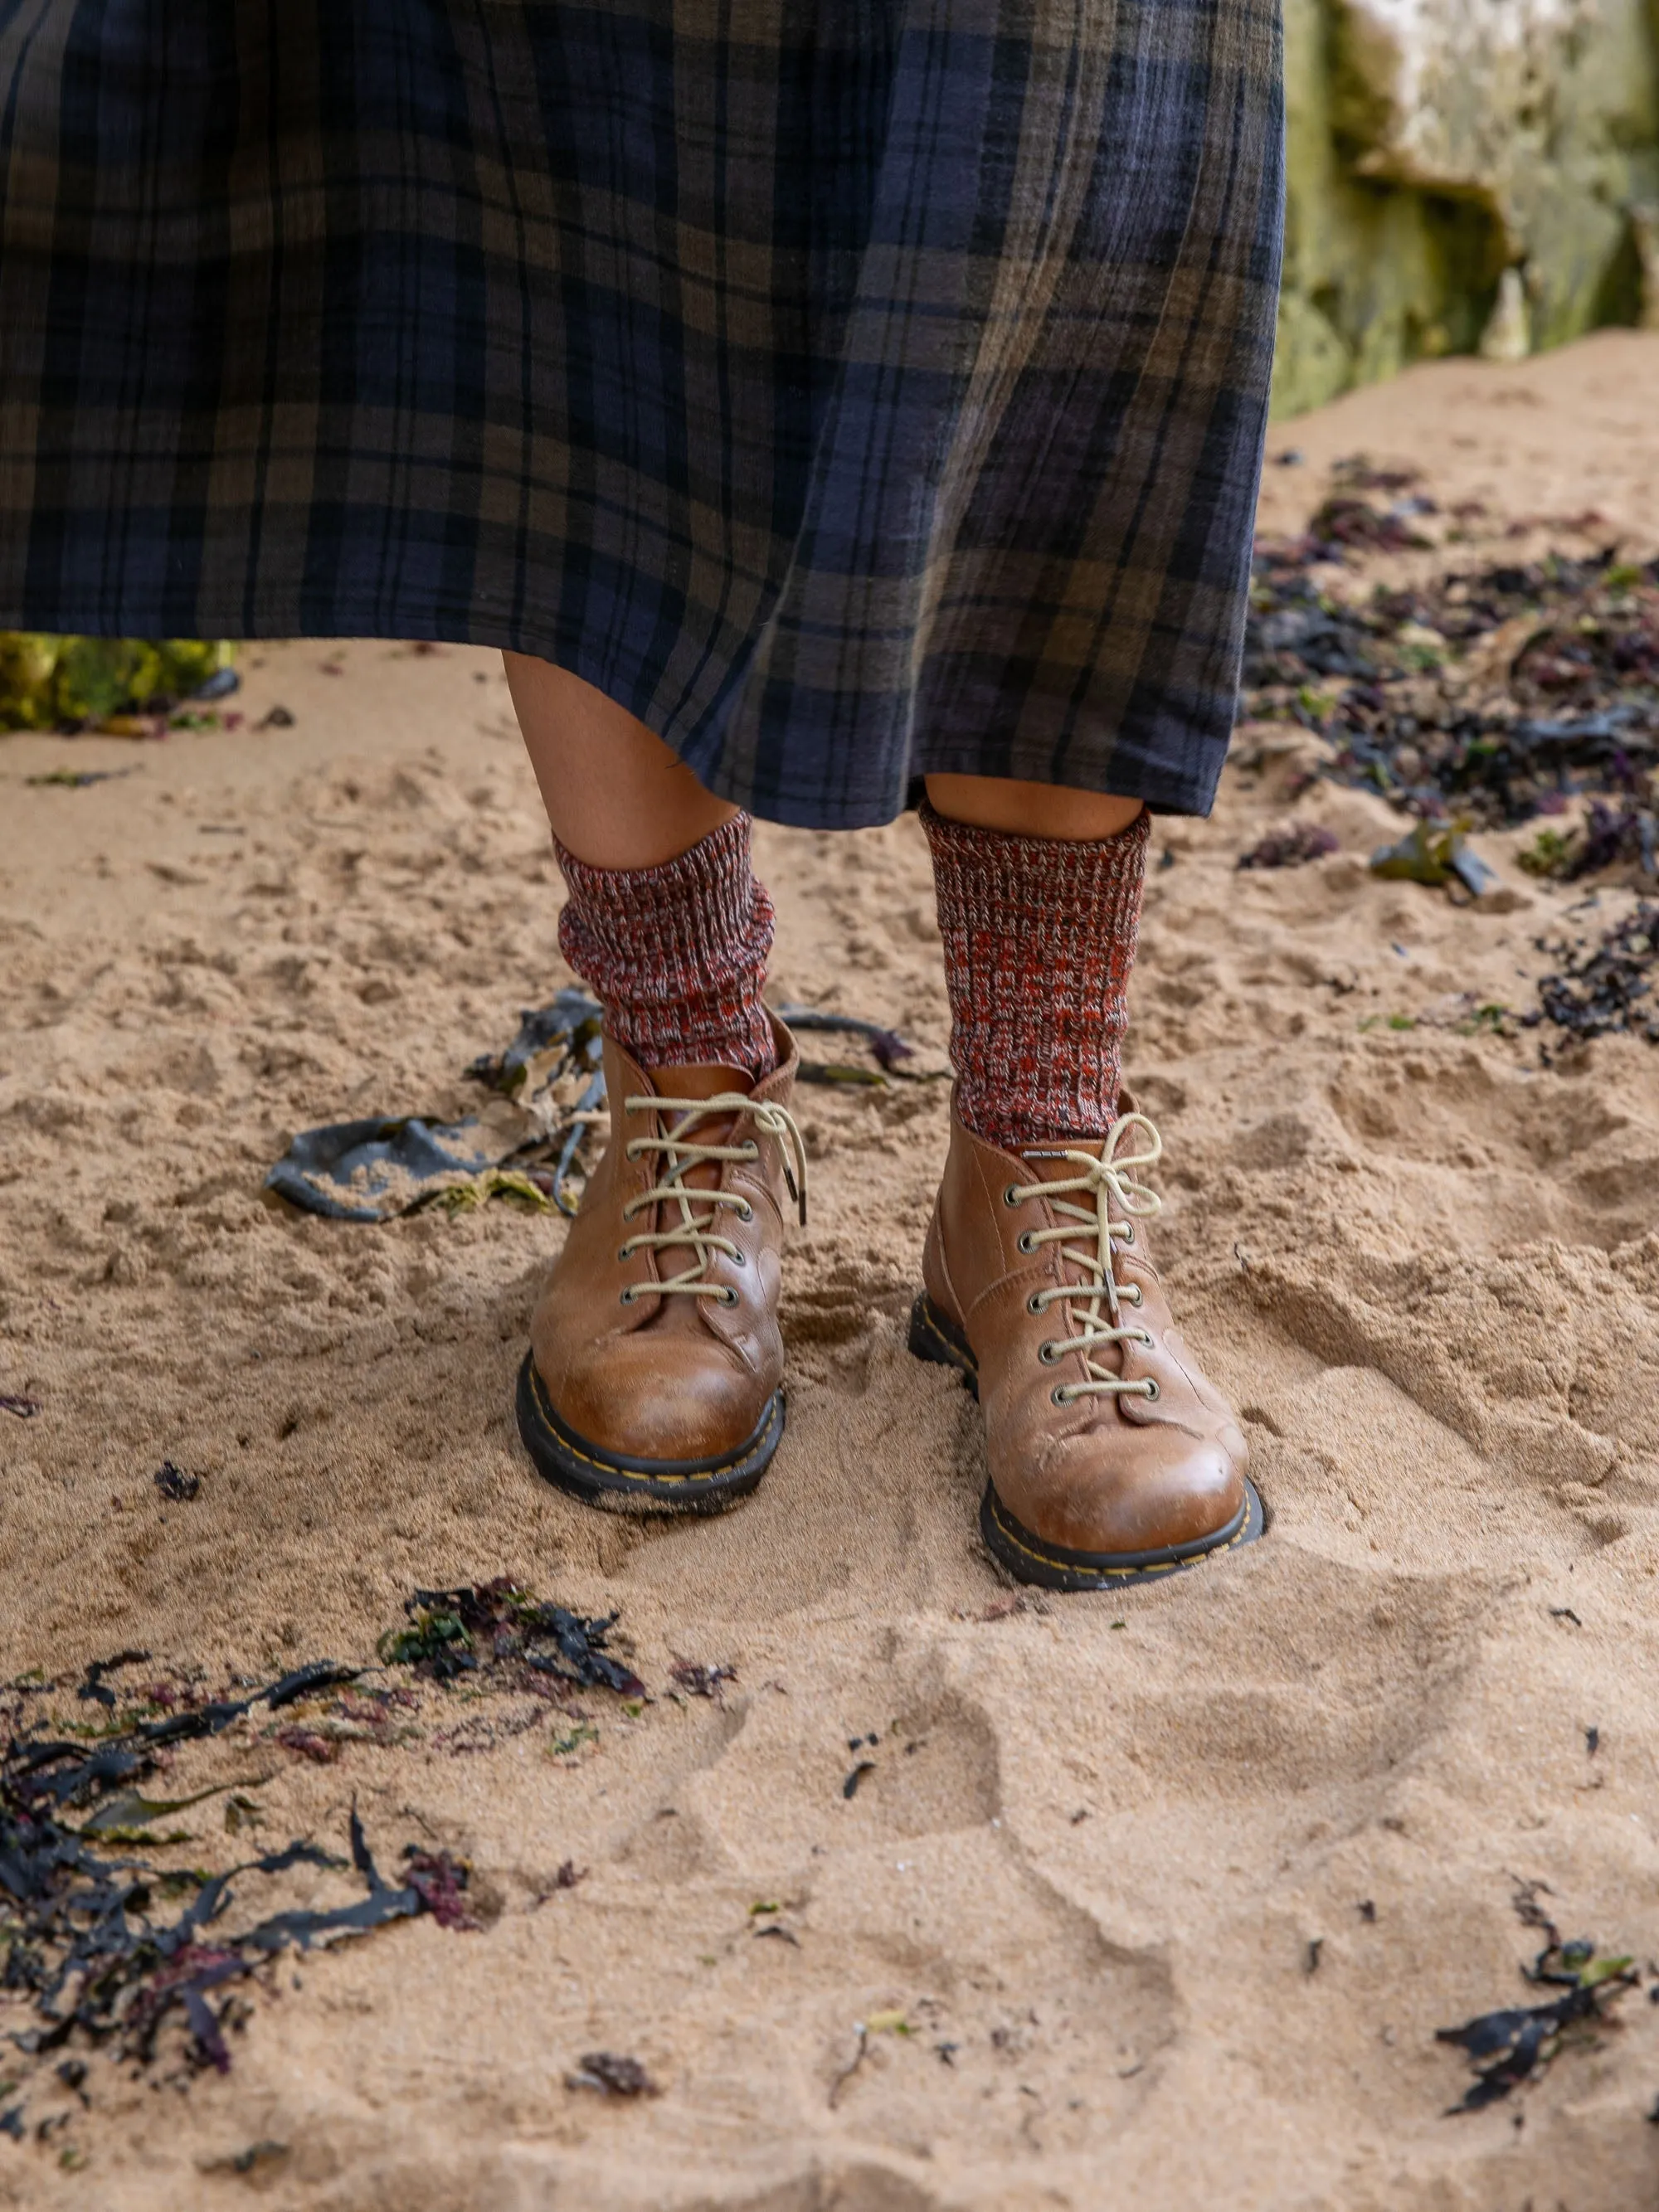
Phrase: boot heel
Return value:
(935, 1339)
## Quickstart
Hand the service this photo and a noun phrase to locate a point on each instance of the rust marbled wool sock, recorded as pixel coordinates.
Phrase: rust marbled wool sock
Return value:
(1040, 936)
(676, 954)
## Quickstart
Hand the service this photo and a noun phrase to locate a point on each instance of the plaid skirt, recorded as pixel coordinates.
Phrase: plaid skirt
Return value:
(850, 388)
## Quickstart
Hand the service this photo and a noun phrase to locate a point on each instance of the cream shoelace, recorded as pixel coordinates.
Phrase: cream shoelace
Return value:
(700, 1233)
(1103, 1181)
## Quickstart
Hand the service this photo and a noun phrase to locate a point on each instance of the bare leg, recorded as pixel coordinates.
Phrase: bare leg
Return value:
(1029, 810)
(616, 795)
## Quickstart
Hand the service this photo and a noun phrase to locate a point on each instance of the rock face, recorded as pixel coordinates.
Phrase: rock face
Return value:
(1437, 144)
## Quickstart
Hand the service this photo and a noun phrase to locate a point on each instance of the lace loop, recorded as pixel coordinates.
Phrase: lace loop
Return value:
(683, 1153)
(1108, 1184)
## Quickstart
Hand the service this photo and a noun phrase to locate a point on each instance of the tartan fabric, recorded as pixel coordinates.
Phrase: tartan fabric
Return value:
(676, 954)
(849, 388)
(1040, 936)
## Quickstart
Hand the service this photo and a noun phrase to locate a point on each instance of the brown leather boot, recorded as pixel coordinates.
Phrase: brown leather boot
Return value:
(655, 1363)
(1112, 1460)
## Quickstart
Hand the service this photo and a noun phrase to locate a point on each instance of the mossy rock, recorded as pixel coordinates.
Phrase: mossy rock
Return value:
(1433, 144)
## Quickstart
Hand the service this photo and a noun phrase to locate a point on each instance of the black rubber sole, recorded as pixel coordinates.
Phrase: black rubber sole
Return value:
(617, 1483)
(1033, 1559)
(935, 1338)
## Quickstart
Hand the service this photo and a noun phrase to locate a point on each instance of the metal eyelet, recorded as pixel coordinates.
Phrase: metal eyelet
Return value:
(1134, 1293)
(1034, 1303)
(1059, 1395)
(1150, 1389)
(739, 1258)
(1146, 1337)
(1047, 1353)
(1011, 1193)
(750, 1150)
(728, 1295)
(745, 1212)
(1127, 1236)
(1024, 1241)
(627, 1298)
(624, 1253)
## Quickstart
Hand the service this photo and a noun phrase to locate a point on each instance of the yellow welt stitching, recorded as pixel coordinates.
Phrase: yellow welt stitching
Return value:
(1075, 1567)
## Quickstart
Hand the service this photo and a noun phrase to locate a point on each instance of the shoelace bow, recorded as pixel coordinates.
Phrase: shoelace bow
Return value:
(1108, 1183)
(700, 1232)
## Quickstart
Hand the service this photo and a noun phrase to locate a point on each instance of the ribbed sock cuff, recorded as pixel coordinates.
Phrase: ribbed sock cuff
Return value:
(676, 954)
(1039, 937)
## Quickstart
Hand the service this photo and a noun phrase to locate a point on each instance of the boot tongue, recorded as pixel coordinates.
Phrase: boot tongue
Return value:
(700, 1081)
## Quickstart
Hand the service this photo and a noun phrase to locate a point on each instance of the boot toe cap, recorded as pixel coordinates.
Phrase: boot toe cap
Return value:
(632, 1406)
(1089, 1496)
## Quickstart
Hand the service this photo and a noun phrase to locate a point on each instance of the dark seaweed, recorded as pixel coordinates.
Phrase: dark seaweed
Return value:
(373, 1170)
(1574, 710)
(369, 1170)
(89, 1940)
(699, 1681)
(588, 1101)
(575, 1020)
(889, 1047)
(175, 1485)
(307, 1743)
(1514, 2043)
(571, 1017)
(93, 1685)
(1357, 472)
(33, 1770)
(613, 2074)
(84, 1940)
(837, 1073)
(1347, 524)
(442, 1882)
(455, 1632)
(1292, 847)
(1607, 986)
(78, 778)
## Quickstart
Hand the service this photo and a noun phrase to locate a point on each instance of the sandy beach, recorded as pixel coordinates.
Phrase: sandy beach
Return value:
(1150, 1898)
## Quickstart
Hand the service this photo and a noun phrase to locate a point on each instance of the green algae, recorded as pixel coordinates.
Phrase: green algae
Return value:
(49, 683)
